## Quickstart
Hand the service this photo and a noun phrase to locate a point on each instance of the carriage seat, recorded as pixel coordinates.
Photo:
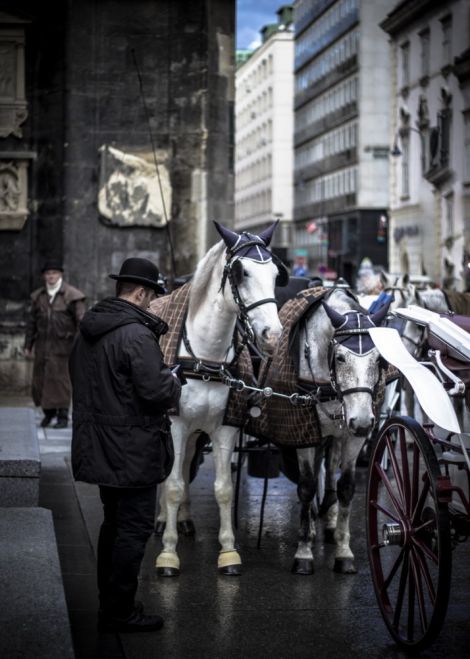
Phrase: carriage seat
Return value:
(447, 333)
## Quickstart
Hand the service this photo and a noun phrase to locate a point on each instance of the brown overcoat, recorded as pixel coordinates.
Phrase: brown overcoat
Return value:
(51, 329)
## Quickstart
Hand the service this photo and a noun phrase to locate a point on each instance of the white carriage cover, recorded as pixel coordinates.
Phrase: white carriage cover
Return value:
(429, 391)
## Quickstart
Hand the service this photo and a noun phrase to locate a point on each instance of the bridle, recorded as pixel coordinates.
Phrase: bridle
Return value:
(215, 370)
(333, 345)
(228, 274)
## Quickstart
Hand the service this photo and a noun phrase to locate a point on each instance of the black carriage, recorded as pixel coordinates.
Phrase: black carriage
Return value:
(418, 507)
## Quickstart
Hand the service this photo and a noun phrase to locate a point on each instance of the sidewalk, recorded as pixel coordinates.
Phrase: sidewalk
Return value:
(265, 613)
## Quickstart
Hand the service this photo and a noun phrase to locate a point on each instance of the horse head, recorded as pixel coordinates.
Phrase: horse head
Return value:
(355, 365)
(252, 272)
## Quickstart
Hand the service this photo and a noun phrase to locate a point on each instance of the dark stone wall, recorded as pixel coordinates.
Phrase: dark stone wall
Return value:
(83, 92)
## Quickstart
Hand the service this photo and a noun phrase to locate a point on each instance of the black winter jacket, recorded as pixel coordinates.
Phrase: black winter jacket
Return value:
(121, 392)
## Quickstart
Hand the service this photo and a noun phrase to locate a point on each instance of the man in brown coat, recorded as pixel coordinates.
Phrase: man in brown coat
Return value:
(56, 310)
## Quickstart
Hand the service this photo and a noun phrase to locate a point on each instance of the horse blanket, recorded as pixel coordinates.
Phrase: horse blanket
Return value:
(281, 422)
(173, 309)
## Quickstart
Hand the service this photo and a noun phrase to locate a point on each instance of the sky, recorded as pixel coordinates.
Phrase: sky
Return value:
(252, 15)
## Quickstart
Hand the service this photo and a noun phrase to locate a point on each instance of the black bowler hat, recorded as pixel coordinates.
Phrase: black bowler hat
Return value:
(52, 264)
(140, 271)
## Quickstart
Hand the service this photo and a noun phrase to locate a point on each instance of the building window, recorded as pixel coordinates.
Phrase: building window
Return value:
(405, 64)
(446, 23)
(405, 166)
(449, 215)
(466, 147)
(425, 39)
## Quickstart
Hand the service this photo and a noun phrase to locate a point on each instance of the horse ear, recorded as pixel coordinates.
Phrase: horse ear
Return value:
(379, 315)
(267, 234)
(405, 280)
(337, 319)
(229, 237)
(282, 278)
(383, 279)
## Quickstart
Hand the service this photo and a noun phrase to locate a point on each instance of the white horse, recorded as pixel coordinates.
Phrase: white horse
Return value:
(339, 350)
(236, 277)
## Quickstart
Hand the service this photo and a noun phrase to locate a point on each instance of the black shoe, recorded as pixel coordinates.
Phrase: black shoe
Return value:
(61, 423)
(48, 416)
(137, 622)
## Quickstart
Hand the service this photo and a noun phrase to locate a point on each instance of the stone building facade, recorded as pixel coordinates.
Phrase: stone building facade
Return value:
(78, 179)
(264, 130)
(430, 134)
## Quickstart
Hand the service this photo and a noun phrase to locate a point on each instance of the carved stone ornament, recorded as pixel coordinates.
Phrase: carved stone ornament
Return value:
(423, 113)
(13, 106)
(13, 194)
(129, 190)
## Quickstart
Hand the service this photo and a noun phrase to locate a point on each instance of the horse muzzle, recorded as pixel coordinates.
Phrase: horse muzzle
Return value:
(360, 428)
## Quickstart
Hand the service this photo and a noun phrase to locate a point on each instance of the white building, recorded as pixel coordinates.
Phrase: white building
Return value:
(430, 171)
(342, 105)
(263, 132)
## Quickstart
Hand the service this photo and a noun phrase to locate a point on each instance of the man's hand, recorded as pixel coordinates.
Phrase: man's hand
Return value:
(28, 353)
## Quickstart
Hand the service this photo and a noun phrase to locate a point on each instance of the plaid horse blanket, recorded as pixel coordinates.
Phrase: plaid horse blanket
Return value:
(458, 302)
(281, 422)
(173, 309)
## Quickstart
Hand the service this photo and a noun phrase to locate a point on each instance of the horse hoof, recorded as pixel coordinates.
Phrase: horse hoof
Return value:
(344, 566)
(302, 566)
(329, 537)
(159, 528)
(186, 527)
(168, 572)
(231, 570)
(229, 563)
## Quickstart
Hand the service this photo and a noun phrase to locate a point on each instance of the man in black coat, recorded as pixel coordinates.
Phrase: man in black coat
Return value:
(121, 433)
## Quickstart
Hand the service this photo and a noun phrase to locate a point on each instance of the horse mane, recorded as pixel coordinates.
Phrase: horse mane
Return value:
(202, 276)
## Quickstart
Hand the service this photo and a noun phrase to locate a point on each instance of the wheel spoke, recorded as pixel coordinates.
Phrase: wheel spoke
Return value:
(421, 561)
(422, 498)
(401, 591)
(389, 488)
(419, 592)
(425, 549)
(396, 471)
(405, 471)
(415, 477)
(386, 512)
(394, 569)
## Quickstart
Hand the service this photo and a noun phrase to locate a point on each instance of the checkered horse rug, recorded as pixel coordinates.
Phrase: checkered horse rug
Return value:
(281, 422)
(173, 309)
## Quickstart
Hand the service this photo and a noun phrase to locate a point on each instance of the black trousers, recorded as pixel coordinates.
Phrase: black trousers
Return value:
(128, 523)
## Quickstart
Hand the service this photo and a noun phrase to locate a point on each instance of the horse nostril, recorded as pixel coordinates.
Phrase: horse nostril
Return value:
(265, 332)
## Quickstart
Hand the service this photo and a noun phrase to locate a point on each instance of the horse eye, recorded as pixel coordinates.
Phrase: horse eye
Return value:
(245, 273)
(340, 358)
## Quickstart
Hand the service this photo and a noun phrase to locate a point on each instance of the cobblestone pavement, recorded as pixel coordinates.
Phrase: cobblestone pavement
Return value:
(265, 613)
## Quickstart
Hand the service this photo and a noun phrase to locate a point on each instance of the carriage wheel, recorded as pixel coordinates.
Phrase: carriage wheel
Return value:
(408, 534)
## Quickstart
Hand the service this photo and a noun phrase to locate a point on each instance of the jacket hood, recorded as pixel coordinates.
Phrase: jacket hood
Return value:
(113, 312)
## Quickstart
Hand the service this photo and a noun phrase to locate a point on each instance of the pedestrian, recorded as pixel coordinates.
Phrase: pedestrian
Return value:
(121, 437)
(56, 310)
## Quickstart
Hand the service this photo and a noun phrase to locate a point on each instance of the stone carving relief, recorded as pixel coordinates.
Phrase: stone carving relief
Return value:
(13, 194)
(129, 189)
(13, 106)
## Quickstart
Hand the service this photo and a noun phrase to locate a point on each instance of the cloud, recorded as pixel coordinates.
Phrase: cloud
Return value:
(251, 17)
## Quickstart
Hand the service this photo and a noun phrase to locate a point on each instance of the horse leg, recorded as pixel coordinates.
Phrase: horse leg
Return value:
(329, 506)
(168, 563)
(309, 466)
(223, 444)
(185, 525)
(344, 558)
